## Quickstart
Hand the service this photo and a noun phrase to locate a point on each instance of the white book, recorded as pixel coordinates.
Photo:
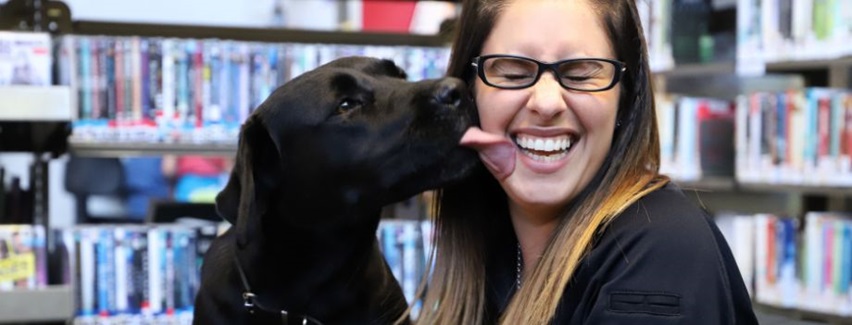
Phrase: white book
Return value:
(244, 62)
(812, 268)
(744, 253)
(410, 260)
(802, 21)
(770, 31)
(68, 65)
(761, 285)
(223, 95)
(156, 246)
(687, 139)
(666, 125)
(134, 53)
(210, 78)
(796, 133)
(755, 129)
(660, 44)
(741, 137)
(88, 239)
(122, 268)
(26, 58)
(168, 75)
(750, 60)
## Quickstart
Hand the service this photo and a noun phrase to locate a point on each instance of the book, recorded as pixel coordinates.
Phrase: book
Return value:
(26, 58)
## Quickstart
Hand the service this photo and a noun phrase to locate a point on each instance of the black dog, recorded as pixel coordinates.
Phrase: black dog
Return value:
(316, 163)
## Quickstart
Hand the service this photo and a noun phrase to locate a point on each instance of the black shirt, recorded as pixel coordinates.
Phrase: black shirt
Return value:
(662, 261)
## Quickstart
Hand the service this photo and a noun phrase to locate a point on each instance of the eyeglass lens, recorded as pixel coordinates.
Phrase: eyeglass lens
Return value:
(579, 74)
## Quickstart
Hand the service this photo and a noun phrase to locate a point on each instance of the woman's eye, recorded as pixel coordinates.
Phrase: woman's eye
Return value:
(516, 76)
(348, 104)
(576, 78)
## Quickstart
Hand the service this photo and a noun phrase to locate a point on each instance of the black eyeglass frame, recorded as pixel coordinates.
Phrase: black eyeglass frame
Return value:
(620, 68)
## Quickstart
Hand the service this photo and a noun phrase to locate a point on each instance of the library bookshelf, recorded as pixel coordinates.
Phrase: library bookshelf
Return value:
(726, 80)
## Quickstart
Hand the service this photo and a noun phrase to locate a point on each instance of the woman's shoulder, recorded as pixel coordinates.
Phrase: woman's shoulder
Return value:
(663, 248)
(669, 198)
(665, 220)
(664, 209)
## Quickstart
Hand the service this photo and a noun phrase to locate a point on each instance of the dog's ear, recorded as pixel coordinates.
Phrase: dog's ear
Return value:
(393, 70)
(245, 198)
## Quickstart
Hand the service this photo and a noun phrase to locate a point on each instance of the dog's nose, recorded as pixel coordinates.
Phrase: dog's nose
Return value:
(449, 92)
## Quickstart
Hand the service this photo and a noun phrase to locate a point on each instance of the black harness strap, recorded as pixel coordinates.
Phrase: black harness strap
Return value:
(251, 302)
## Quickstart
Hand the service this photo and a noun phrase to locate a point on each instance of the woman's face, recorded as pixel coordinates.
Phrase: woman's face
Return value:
(549, 30)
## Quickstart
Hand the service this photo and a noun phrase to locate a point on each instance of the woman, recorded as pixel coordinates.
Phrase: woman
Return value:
(573, 224)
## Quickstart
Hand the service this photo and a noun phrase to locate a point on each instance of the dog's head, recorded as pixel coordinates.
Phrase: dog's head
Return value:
(344, 139)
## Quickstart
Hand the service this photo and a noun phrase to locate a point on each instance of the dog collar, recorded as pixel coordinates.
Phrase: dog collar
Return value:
(251, 302)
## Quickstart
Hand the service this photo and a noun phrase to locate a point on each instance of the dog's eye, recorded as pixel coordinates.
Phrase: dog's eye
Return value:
(348, 104)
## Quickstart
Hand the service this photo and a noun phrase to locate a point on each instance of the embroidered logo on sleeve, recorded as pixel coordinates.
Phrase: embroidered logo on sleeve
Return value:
(653, 303)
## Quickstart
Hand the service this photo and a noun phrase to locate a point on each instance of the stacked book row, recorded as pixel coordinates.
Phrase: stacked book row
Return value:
(405, 244)
(696, 137)
(150, 274)
(147, 274)
(799, 137)
(793, 264)
(195, 90)
(789, 30)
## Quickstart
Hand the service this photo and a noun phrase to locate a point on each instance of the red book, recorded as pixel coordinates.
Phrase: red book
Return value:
(772, 251)
(197, 82)
(846, 139)
(823, 126)
(387, 15)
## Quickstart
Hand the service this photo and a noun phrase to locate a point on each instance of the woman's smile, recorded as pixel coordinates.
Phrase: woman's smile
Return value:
(544, 154)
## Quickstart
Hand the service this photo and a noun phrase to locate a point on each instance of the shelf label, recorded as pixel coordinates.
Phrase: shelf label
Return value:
(17, 267)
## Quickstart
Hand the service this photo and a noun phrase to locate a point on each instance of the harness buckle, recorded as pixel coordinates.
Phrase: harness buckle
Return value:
(285, 318)
(248, 301)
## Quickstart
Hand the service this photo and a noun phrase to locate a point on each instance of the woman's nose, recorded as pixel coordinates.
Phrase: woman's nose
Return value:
(547, 97)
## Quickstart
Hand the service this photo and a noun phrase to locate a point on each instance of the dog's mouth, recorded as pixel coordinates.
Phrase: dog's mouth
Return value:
(546, 149)
(440, 163)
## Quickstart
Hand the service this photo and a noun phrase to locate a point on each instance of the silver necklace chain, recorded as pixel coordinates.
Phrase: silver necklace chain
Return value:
(519, 267)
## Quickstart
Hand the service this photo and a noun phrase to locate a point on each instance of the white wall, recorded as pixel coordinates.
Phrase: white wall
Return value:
(302, 14)
(311, 14)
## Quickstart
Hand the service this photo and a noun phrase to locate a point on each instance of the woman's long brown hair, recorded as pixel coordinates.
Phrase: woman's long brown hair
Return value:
(469, 214)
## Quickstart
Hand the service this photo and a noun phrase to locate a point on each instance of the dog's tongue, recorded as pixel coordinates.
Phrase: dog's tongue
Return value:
(496, 151)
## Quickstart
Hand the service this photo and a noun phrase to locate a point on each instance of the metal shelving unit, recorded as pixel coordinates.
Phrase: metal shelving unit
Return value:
(723, 183)
(709, 184)
(32, 103)
(722, 81)
(699, 69)
(56, 303)
(808, 64)
(25, 105)
(50, 304)
(255, 34)
(37, 120)
(121, 149)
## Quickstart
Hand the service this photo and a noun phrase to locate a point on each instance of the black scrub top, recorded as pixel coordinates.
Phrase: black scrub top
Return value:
(662, 261)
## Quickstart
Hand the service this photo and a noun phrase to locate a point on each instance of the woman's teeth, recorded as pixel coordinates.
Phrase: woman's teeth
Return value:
(544, 149)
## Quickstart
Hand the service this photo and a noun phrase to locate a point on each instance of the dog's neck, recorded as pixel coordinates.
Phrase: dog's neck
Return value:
(312, 245)
(304, 262)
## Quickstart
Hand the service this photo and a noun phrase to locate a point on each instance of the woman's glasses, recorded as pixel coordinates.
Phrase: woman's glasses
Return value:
(517, 72)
